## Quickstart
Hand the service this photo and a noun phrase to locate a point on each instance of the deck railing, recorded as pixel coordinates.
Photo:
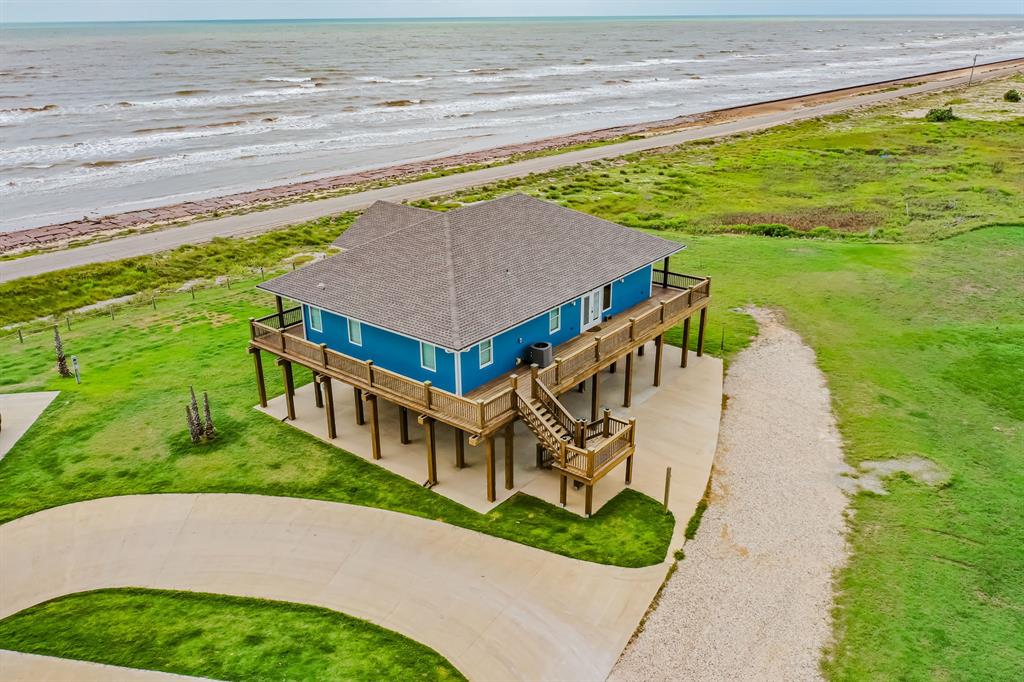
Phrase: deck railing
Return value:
(611, 343)
(674, 280)
(470, 415)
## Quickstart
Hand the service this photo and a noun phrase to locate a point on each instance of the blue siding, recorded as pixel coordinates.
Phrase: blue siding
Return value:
(401, 354)
(631, 290)
(388, 350)
(512, 344)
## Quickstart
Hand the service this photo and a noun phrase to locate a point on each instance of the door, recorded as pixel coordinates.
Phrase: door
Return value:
(591, 309)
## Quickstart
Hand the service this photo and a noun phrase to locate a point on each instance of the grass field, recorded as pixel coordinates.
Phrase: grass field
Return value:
(123, 431)
(220, 637)
(923, 347)
(922, 342)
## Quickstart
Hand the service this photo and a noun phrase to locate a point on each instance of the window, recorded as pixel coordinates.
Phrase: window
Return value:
(355, 332)
(606, 297)
(554, 320)
(428, 356)
(316, 319)
(486, 352)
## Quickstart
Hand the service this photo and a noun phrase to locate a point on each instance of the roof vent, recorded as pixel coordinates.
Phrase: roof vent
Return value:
(321, 285)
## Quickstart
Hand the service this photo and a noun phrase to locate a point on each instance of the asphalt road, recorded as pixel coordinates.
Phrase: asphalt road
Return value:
(262, 221)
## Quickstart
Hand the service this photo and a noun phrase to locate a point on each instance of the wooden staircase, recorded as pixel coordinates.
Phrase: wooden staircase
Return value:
(581, 450)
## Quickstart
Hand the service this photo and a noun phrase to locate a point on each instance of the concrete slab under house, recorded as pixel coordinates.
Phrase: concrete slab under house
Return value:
(516, 327)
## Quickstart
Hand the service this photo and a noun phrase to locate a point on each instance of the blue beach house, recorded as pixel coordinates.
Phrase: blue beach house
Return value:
(481, 316)
(457, 298)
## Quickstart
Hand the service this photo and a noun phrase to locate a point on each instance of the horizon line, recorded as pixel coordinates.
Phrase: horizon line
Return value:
(530, 17)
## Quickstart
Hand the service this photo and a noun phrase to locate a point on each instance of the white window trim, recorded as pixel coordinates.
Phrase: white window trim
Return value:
(429, 369)
(480, 351)
(311, 326)
(558, 327)
(348, 331)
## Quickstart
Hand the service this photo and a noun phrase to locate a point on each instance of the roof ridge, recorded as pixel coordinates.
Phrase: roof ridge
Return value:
(450, 272)
(433, 215)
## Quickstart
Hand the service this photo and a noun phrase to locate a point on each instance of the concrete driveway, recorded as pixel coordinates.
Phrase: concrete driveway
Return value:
(496, 609)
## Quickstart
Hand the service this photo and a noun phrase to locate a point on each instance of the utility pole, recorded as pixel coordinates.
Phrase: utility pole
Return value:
(973, 64)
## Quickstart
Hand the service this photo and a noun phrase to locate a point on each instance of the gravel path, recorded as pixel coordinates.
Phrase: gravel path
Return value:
(751, 600)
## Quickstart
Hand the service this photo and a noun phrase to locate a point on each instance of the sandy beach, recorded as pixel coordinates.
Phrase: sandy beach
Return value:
(63, 234)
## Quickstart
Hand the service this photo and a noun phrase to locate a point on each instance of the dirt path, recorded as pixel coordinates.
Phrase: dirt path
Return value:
(751, 600)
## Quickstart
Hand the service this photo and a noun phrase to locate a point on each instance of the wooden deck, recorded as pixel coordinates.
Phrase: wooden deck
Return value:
(580, 449)
(612, 328)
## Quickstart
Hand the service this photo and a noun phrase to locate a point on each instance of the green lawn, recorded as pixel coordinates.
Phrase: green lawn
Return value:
(123, 431)
(923, 347)
(221, 637)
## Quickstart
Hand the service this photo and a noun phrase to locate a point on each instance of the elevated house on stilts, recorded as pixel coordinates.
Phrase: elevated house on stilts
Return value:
(481, 316)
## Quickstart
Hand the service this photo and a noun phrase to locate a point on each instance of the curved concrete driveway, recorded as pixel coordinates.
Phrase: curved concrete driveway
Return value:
(496, 609)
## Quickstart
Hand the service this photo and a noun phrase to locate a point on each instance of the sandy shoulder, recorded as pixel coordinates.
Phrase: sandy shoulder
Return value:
(752, 599)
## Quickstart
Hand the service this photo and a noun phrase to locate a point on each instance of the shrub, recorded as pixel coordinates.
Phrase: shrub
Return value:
(940, 115)
(1012, 96)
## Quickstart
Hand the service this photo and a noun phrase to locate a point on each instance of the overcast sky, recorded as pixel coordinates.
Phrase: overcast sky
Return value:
(161, 10)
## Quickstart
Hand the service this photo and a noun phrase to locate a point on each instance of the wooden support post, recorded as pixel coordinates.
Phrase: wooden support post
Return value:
(357, 394)
(279, 304)
(640, 350)
(332, 427)
(403, 425)
(534, 369)
(510, 429)
(318, 397)
(612, 368)
(374, 425)
(595, 396)
(589, 499)
(460, 449)
(428, 425)
(582, 386)
(700, 331)
(664, 275)
(659, 350)
(627, 389)
(606, 426)
(629, 469)
(289, 387)
(579, 437)
(668, 484)
(261, 385)
(489, 459)
(563, 486)
(685, 350)
(540, 455)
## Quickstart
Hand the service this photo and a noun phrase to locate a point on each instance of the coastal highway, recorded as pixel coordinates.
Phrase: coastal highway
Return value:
(274, 218)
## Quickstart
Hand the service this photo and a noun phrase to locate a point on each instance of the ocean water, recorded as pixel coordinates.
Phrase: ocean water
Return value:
(101, 118)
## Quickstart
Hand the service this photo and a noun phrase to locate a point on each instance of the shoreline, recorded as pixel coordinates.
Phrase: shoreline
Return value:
(59, 235)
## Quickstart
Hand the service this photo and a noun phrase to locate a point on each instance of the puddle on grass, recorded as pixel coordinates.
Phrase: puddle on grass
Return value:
(870, 475)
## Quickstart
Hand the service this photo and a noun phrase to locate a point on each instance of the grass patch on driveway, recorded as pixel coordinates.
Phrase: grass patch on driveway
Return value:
(123, 431)
(220, 637)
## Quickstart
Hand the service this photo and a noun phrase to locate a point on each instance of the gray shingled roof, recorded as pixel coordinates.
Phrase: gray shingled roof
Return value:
(456, 278)
(379, 219)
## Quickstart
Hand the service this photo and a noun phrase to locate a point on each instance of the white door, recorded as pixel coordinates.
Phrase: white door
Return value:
(591, 309)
